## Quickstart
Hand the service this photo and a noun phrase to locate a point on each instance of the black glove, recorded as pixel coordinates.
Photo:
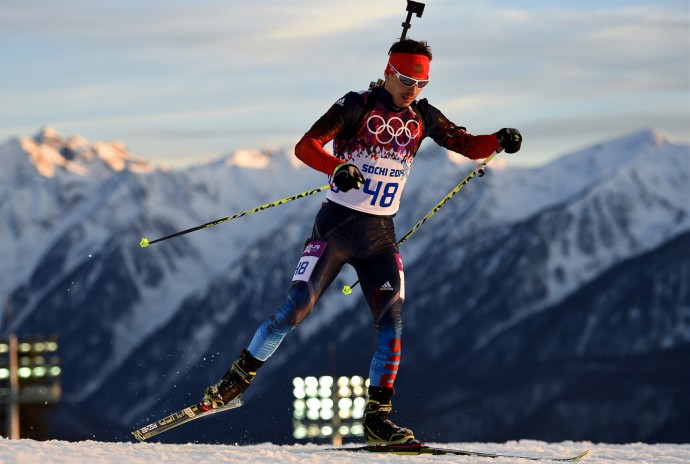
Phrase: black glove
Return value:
(509, 139)
(347, 176)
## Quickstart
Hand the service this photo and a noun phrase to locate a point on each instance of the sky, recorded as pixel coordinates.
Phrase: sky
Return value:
(180, 82)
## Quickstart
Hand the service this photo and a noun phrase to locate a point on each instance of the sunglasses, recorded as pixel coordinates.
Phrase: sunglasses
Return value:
(408, 81)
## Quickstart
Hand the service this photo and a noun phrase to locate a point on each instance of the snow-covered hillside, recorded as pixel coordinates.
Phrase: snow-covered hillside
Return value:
(530, 280)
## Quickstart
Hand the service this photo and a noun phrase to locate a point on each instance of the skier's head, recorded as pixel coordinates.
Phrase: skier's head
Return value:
(407, 71)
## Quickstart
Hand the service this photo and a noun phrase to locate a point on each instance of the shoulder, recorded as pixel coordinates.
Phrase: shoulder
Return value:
(352, 105)
(431, 115)
(427, 113)
(425, 108)
(352, 99)
(438, 126)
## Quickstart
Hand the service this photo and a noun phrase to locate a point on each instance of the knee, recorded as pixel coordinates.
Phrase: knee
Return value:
(295, 309)
(391, 321)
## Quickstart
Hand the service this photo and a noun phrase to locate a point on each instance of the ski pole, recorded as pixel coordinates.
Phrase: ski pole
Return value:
(145, 242)
(347, 289)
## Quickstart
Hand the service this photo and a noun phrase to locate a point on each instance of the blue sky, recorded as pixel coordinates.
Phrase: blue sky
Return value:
(182, 81)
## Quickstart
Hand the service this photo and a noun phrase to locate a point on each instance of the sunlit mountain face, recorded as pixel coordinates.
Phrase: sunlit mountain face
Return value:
(548, 303)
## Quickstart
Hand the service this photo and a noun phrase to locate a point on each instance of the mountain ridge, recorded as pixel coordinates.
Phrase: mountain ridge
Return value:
(511, 248)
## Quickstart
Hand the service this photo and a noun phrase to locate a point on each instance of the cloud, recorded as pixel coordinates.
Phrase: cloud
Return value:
(207, 66)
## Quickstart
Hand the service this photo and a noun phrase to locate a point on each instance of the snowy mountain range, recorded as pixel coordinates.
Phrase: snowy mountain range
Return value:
(550, 303)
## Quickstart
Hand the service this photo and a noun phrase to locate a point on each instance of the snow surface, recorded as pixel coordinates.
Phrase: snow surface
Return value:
(92, 452)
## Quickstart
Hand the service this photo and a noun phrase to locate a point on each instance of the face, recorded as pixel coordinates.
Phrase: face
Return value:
(402, 96)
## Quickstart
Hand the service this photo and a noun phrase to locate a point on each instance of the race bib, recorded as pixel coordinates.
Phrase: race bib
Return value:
(383, 150)
(310, 256)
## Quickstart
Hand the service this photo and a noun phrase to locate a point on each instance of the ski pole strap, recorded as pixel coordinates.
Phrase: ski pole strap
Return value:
(347, 289)
(145, 242)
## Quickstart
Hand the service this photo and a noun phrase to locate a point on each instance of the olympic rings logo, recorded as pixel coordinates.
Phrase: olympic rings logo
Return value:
(393, 129)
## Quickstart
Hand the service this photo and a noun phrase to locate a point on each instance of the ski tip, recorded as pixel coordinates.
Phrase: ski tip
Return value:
(582, 455)
(137, 434)
(574, 458)
(144, 242)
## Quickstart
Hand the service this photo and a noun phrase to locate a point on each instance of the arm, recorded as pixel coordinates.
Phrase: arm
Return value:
(456, 138)
(471, 146)
(341, 115)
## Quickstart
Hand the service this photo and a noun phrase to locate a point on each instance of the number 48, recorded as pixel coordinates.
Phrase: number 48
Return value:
(388, 195)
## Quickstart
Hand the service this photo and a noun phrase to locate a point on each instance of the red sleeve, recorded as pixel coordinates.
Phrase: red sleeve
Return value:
(310, 148)
(335, 123)
(310, 151)
(471, 146)
(454, 137)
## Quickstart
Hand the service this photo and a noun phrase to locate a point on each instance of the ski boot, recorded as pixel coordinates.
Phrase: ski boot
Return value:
(234, 382)
(377, 426)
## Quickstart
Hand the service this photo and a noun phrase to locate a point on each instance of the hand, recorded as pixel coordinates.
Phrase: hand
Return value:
(509, 139)
(347, 176)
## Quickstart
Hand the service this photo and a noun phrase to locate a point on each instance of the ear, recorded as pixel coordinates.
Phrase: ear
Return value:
(386, 80)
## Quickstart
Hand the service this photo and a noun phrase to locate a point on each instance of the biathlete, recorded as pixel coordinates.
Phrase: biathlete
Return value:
(375, 134)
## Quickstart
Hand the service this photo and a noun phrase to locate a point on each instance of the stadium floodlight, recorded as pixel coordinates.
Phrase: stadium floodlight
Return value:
(29, 373)
(328, 408)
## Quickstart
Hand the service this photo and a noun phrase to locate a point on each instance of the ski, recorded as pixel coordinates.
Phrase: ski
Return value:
(201, 409)
(420, 448)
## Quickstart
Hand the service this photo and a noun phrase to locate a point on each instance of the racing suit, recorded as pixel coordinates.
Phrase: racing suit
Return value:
(356, 227)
